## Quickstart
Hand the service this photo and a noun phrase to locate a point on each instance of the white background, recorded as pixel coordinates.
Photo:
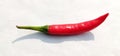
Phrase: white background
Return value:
(102, 41)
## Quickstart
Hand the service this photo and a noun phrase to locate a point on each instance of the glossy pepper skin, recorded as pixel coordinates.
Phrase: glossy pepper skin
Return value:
(68, 29)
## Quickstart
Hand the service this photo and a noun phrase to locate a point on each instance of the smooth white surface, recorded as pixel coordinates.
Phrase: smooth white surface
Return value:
(102, 41)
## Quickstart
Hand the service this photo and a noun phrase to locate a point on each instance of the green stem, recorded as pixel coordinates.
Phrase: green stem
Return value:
(43, 29)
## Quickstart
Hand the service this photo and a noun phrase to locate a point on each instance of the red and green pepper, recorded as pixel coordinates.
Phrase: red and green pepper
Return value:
(68, 29)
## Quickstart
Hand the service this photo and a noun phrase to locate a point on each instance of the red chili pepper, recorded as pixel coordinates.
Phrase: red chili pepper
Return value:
(68, 29)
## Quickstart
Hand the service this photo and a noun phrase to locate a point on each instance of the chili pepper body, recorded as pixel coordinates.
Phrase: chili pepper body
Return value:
(68, 29)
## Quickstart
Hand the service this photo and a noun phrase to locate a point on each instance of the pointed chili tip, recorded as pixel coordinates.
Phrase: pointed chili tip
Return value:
(103, 17)
(107, 14)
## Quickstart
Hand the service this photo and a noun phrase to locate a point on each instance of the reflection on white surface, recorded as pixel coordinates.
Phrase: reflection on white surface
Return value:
(35, 42)
(57, 39)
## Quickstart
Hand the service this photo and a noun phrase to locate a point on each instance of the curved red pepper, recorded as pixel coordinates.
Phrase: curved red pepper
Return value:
(68, 29)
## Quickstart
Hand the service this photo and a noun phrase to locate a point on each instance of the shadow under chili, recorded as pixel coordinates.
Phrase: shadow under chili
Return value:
(57, 39)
